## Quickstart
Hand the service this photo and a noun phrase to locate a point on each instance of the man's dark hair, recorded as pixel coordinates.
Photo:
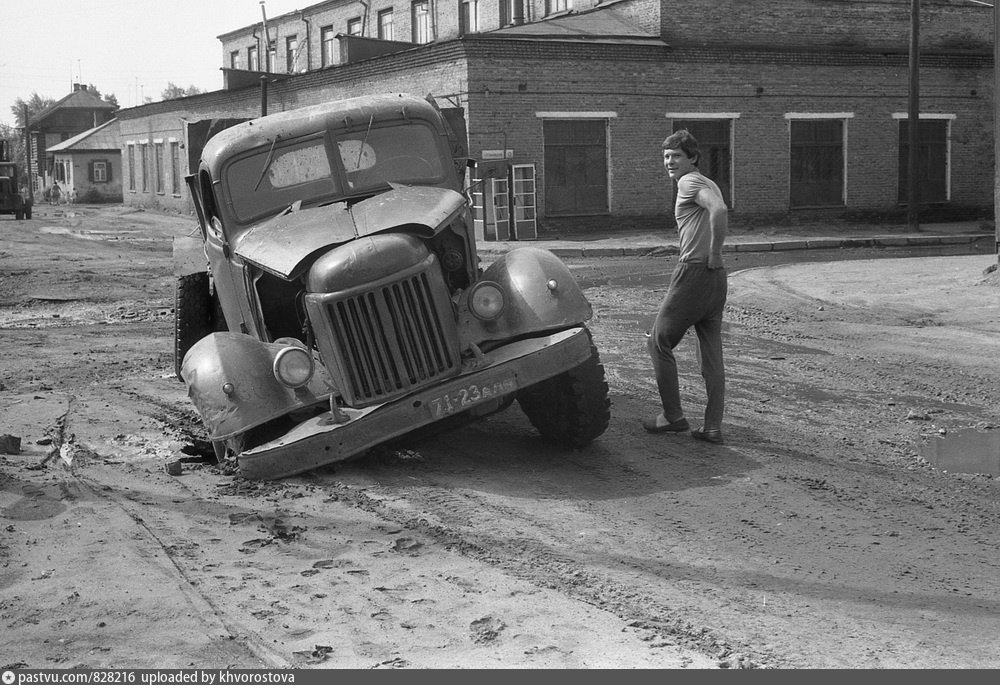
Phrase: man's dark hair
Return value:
(682, 139)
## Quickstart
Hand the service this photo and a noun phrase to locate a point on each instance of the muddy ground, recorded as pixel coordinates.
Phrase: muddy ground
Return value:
(819, 536)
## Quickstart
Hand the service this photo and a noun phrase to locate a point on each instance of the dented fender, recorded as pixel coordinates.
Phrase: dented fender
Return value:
(540, 294)
(230, 381)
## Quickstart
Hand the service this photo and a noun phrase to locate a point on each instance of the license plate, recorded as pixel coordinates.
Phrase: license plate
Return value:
(469, 396)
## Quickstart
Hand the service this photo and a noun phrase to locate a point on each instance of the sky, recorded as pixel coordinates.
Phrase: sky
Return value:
(131, 48)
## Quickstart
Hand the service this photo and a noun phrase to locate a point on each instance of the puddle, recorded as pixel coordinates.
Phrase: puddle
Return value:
(967, 450)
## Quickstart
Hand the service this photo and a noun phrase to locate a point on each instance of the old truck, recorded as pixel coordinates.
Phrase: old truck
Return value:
(334, 299)
(12, 199)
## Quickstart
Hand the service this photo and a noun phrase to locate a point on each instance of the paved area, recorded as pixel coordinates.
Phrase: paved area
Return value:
(613, 243)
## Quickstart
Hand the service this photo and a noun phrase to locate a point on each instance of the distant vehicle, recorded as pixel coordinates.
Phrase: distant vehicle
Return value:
(335, 299)
(12, 200)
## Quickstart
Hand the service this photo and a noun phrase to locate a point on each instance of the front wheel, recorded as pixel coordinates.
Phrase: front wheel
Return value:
(196, 314)
(572, 408)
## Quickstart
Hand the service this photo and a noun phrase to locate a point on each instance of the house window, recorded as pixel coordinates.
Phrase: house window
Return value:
(354, 26)
(158, 152)
(253, 64)
(326, 40)
(469, 16)
(932, 161)
(506, 13)
(714, 142)
(175, 167)
(576, 166)
(421, 21)
(131, 167)
(385, 24)
(560, 6)
(234, 59)
(99, 171)
(144, 155)
(272, 55)
(291, 53)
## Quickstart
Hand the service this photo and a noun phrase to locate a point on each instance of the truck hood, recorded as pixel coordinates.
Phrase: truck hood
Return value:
(287, 244)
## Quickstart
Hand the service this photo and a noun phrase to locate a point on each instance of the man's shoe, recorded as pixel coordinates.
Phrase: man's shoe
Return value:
(678, 426)
(714, 435)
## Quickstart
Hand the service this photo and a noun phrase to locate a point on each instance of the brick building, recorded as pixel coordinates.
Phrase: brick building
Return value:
(801, 105)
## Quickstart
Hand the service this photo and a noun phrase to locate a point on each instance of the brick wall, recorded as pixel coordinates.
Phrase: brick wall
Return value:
(640, 86)
(853, 24)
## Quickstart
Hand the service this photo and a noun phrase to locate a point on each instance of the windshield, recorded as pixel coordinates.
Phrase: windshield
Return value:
(274, 177)
(400, 154)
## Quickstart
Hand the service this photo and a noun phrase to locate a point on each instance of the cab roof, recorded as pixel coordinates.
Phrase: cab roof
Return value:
(338, 114)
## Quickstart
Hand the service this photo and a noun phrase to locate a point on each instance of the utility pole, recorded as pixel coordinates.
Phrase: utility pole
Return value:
(996, 128)
(913, 119)
(27, 153)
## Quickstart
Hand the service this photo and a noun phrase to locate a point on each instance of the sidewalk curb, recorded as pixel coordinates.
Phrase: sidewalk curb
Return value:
(764, 246)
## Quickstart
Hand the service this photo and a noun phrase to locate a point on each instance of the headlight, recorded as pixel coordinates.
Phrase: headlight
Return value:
(486, 300)
(293, 367)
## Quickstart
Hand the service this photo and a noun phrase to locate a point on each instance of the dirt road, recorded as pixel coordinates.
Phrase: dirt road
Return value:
(817, 536)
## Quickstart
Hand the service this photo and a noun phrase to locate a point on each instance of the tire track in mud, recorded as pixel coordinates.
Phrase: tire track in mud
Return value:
(533, 561)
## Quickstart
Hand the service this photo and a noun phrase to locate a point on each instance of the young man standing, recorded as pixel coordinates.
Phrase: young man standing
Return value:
(696, 295)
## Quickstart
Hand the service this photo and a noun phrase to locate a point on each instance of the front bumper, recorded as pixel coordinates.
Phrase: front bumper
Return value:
(321, 440)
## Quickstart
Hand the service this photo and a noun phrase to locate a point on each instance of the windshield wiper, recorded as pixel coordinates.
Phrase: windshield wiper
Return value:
(267, 164)
(364, 142)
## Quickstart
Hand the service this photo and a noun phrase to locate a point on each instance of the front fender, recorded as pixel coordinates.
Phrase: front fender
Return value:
(540, 292)
(231, 383)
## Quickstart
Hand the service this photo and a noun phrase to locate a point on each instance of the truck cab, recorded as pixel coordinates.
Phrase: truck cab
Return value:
(12, 199)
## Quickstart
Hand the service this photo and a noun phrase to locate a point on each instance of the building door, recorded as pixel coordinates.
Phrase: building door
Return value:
(816, 177)
(523, 180)
(932, 161)
(576, 167)
(716, 151)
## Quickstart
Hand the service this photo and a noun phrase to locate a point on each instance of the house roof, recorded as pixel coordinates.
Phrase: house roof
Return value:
(601, 24)
(103, 137)
(78, 99)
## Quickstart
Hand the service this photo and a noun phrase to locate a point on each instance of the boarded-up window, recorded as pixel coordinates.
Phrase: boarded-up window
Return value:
(175, 168)
(713, 137)
(158, 152)
(131, 167)
(576, 167)
(817, 163)
(932, 161)
(144, 152)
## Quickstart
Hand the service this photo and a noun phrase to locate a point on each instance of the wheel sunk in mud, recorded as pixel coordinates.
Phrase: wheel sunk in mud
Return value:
(196, 314)
(572, 408)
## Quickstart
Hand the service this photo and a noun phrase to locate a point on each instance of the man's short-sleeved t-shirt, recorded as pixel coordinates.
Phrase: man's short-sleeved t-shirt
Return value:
(693, 225)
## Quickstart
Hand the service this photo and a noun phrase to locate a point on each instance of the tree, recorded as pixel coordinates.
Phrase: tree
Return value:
(173, 91)
(35, 104)
(110, 98)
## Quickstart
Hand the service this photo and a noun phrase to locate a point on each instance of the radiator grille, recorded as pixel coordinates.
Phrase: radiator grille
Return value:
(391, 340)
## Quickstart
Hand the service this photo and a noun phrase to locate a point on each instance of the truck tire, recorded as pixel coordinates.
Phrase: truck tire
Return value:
(19, 214)
(196, 314)
(572, 408)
